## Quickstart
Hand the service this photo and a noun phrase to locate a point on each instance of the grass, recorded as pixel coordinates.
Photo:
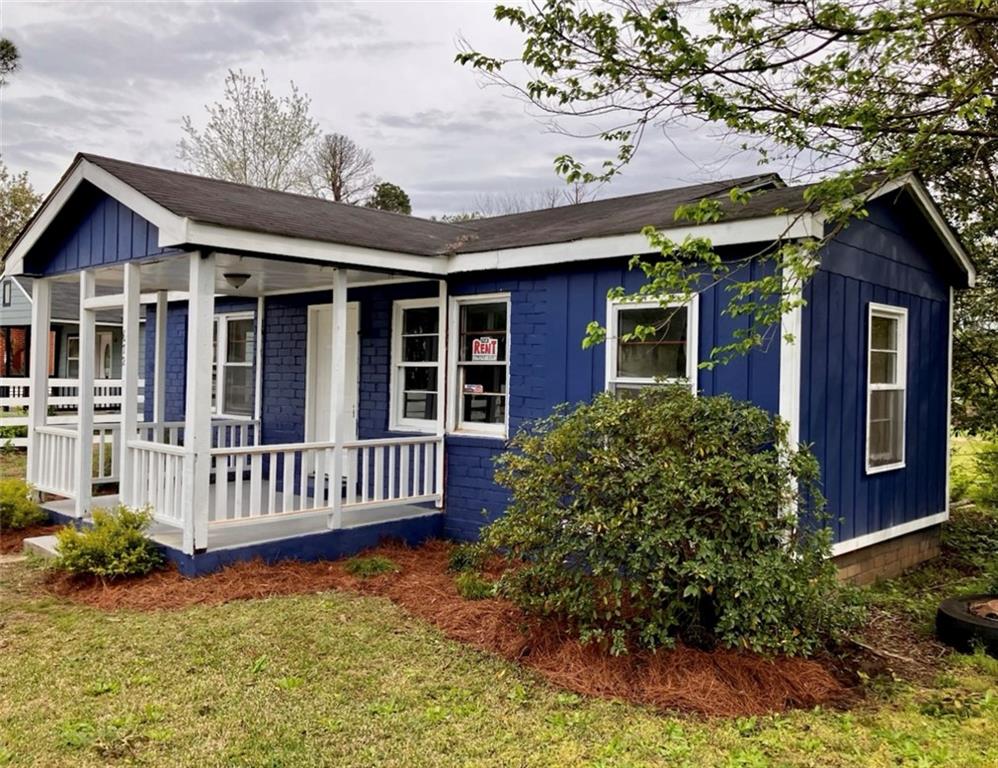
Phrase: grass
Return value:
(335, 679)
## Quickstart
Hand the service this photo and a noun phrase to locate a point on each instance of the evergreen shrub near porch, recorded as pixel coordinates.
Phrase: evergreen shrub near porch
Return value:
(642, 520)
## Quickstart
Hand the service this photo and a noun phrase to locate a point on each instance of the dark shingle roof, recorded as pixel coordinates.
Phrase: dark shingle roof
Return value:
(255, 209)
(281, 213)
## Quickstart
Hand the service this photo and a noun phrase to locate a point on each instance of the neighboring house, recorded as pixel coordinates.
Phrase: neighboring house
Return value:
(321, 375)
(63, 348)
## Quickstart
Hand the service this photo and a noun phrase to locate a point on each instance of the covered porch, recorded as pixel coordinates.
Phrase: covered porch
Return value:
(218, 452)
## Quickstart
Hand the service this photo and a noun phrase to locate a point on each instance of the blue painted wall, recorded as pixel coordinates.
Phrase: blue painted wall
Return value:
(93, 229)
(881, 260)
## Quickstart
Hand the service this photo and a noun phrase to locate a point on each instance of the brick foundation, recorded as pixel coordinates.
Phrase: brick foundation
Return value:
(889, 558)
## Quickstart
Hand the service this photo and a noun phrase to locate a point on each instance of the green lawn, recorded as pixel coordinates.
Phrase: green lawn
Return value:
(340, 680)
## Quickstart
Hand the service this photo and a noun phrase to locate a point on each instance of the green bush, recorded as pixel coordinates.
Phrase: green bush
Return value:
(115, 546)
(17, 508)
(465, 557)
(473, 586)
(374, 565)
(644, 519)
(970, 537)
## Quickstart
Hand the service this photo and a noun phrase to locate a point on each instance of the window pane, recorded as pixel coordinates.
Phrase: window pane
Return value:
(479, 318)
(883, 332)
(886, 427)
(484, 379)
(883, 367)
(660, 355)
(419, 349)
(419, 405)
(420, 320)
(483, 409)
(238, 391)
(419, 378)
(239, 341)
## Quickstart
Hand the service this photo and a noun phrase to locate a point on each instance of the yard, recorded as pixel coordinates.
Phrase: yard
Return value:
(340, 679)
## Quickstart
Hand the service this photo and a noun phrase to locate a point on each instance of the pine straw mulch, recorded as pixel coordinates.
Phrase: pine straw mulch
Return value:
(12, 541)
(717, 683)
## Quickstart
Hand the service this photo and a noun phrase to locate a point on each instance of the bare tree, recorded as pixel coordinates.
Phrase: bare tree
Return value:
(501, 204)
(343, 170)
(253, 137)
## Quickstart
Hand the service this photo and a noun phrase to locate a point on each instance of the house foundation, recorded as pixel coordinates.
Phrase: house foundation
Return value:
(890, 558)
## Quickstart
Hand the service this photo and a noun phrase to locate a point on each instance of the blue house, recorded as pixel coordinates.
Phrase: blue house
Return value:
(319, 376)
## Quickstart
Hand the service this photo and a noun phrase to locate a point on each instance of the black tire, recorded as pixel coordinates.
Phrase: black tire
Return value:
(958, 627)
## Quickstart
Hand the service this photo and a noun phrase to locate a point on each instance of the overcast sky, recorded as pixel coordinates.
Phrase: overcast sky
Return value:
(116, 78)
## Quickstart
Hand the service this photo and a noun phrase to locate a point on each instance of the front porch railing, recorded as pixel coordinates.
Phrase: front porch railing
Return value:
(158, 480)
(54, 469)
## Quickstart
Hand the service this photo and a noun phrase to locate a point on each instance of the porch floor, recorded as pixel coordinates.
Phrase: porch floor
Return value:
(234, 533)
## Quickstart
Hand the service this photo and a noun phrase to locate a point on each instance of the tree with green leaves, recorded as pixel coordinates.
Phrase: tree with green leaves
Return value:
(10, 59)
(18, 203)
(389, 197)
(862, 91)
(253, 136)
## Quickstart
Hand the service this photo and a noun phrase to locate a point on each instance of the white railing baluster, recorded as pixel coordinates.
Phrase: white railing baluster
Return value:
(288, 482)
(256, 481)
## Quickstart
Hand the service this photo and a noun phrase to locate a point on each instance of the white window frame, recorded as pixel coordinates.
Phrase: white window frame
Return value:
(900, 314)
(8, 292)
(218, 367)
(70, 358)
(397, 421)
(613, 308)
(454, 397)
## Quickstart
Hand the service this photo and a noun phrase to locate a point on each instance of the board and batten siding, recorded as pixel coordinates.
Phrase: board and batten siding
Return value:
(92, 230)
(882, 260)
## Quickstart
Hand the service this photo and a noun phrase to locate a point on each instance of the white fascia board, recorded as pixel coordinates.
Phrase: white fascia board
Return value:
(169, 224)
(767, 229)
(894, 532)
(21, 288)
(935, 217)
(224, 238)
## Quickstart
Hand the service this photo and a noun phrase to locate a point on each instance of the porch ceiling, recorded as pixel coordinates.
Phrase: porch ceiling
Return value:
(266, 276)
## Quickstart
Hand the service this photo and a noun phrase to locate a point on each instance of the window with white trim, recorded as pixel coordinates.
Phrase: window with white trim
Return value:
(415, 364)
(887, 375)
(72, 357)
(666, 355)
(7, 293)
(480, 367)
(232, 381)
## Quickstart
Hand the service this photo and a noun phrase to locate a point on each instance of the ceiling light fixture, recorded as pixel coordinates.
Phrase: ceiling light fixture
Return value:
(236, 279)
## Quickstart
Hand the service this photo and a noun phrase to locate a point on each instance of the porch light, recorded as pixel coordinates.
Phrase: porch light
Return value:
(236, 279)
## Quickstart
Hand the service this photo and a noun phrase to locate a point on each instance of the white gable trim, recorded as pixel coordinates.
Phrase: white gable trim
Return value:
(761, 230)
(935, 217)
(171, 227)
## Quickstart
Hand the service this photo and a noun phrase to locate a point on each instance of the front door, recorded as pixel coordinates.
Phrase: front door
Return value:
(320, 330)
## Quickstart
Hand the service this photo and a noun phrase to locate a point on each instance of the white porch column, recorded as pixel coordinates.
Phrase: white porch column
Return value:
(159, 367)
(197, 421)
(85, 396)
(441, 386)
(258, 373)
(337, 395)
(130, 379)
(38, 392)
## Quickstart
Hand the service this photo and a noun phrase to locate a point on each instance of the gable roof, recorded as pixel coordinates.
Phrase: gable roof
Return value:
(196, 211)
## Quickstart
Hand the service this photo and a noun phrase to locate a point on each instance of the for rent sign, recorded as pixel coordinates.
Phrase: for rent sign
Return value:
(485, 348)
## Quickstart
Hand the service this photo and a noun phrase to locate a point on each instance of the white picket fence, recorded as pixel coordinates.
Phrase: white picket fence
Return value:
(63, 401)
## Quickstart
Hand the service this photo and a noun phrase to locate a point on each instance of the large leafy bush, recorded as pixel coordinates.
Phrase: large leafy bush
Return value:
(17, 508)
(645, 519)
(115, 546)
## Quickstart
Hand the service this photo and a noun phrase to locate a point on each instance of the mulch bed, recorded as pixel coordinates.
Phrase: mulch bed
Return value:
(718, 683)
(12, 541)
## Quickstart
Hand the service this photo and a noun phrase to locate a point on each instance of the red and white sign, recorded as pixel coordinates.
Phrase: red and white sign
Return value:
(473, 389)
(485, 348)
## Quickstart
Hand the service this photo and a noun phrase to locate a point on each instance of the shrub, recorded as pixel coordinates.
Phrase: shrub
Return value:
(970, 537)
(115, 546)
(374, 565)
(643, 519)
(465, 557)
(17, 508)
(473, 586)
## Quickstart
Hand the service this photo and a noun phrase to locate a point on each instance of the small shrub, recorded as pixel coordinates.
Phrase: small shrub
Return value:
(373, 565)
(664, 515)
(473, 586)
(17, 508)
(466, 557)
(115, 546)
(970, 537)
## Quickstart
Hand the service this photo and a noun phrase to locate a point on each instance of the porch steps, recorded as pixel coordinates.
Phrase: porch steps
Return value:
(44, 546)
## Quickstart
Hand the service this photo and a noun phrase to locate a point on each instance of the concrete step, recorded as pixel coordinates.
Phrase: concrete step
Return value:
(45, 546)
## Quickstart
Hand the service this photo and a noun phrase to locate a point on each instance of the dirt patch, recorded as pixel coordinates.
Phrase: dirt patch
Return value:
(890, 644)
(12, 541)
(722, 682)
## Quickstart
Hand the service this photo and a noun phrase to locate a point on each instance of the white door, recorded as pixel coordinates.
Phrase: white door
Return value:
(104, 368)
(319, 364)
